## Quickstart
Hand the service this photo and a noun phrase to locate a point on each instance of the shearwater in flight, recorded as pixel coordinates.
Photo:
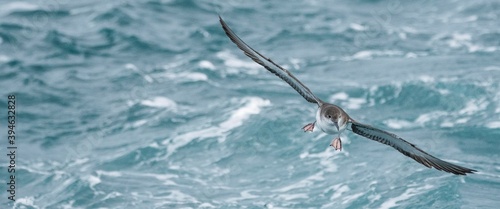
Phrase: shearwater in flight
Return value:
(332, 119)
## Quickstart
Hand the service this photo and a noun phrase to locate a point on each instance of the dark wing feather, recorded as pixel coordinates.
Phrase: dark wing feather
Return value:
(271, 66)
(407, 149)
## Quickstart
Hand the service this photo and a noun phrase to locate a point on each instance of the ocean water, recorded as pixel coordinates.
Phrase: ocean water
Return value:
(147, 104)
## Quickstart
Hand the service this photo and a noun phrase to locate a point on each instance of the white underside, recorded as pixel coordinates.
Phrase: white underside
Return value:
(327, 126)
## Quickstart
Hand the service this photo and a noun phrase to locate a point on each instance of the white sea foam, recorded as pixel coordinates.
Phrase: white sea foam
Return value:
(93, 180)
(369, 54)
(349, 198)
(160, 102)
(68, 205)
(295, 63)
(324, 154)
(233, 61)
(179, 196)
(474, 106)
(339, 193)
(339, 96)
(426, 79)
(288, 197)
(354, 103)
(139, 123)
(134, 68)
(206, 205)
(112, 195)
(238, 116)
(174, 64)
(170, 72)
(109, 173)
(479, 48)
(374, 197)
(398, 124)
(17, 6)
(246, 195)
(411, 55)
(325, 157)
(79, 162)
(402, 35)
(161, 177)
(357, 27)
(471, 18)
(25, 201)
(410, 192)
(493, 124)
(363, 55)
(459, 40)
(339, 190)
(3, 58)
(186, 76)
(206, 64)
(165, 178)
(253, 105)
(347, 102)
(269, 205)
(424, 118)
(461, 120)
(492, 68)
(408, 29)
(443, 91)
(39, 168)
(447, 124)
(304, 183)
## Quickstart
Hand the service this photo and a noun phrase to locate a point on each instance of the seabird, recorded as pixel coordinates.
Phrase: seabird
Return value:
(332, 119)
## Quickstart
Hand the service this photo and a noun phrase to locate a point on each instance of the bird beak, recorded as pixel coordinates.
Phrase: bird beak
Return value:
(336, 125)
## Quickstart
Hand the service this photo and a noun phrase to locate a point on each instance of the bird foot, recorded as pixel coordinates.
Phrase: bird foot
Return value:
(336, 143)
(309, 127)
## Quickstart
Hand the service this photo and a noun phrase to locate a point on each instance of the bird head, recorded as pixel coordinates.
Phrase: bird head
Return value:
(334, 117)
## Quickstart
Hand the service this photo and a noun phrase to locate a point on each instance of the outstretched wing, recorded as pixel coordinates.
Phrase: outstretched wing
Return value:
(271, 66)
(407, 149)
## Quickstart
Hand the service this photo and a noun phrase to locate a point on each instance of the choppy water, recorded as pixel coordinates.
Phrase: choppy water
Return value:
(147, 104)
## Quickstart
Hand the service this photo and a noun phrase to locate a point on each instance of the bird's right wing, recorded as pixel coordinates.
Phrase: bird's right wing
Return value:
(407, 148)
(271, 66)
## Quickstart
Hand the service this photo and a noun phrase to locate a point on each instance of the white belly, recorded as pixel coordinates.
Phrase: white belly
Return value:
(327, 125)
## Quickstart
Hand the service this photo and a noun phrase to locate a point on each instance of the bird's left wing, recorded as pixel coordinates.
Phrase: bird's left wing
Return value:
(271, 66)
(407, 148)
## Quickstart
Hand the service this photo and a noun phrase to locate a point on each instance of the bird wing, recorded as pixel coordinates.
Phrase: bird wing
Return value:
(407, 148)
(271, 66)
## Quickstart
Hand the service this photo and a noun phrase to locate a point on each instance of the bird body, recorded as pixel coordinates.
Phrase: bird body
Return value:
(332, 119)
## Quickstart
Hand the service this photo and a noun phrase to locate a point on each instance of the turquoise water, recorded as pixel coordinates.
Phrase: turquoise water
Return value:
(147, 104)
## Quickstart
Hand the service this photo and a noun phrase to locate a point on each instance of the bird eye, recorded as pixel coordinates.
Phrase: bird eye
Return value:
(328, 116)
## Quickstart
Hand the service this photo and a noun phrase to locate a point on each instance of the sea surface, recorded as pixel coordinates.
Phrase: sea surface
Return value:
(147, 104)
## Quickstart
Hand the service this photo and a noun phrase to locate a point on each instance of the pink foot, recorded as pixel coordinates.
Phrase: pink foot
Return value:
(337, 144)
(309, 127)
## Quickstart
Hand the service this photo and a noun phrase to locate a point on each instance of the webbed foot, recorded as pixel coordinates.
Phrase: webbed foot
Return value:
(336, 143)
(309, 127)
